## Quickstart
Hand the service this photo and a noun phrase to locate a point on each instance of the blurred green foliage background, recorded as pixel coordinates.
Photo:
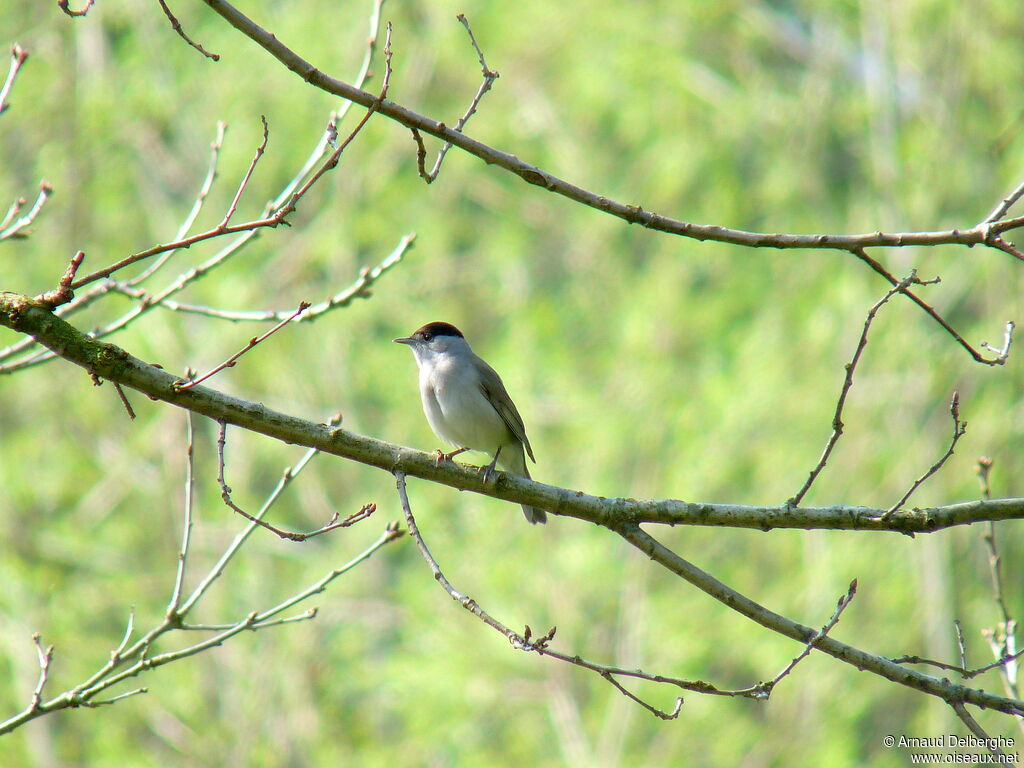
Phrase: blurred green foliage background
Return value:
(645, 365)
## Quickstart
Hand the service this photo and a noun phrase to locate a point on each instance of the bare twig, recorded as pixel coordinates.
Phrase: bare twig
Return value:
(1003, 352)
(851, 367)
(45, 656)
(63, 5)
(862, 254)
(941, 688)
(1001, 639)
(98, 382)
(287, 477)
(1004, 206)
(959, 428)
(961, 669)
(149, 300)
(331, 525)
(128, 661)
(991, 744)
(332, 161)
(841, 605)
(540, 645)
(94, 703)
(1004, 245)
(233, 360)
(176, 26)
(124, 401)
(18, 57)
(961, 643)
(15, 228)
(186, 528)
(248, 175)
(521, 642)
(489, 77)
(360, 289)
(197, 206)
(12, 211)
(63, 293)
(984, 470)
(276, 215)
(976, 235)
(244, 236)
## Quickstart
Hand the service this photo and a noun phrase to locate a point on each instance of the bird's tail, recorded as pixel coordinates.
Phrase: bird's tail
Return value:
(516, 463)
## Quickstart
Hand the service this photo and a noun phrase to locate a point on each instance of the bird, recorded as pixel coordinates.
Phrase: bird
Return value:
(467, 405)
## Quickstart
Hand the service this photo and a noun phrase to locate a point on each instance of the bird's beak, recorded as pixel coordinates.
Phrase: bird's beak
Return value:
(405, 340)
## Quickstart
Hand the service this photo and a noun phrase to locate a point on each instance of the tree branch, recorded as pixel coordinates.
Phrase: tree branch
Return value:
(489, 77)
(176, 26)
(979, 234)
(18, 58)
(879, 665)
(127, 661)
(851, 367)
(25, 315)
(959, 430)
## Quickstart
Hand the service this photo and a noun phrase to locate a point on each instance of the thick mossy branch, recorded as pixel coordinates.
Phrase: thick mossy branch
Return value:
(108, 361)
(621, 515)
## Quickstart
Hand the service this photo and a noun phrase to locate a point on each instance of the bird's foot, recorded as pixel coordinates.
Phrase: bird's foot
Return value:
(488, 471)
(442, 456)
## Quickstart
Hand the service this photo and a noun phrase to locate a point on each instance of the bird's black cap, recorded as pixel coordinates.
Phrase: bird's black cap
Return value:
(430, 330)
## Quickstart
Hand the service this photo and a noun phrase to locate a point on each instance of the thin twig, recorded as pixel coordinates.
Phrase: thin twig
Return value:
(124, 400)
(961, 642)
(92, 704)
(992, 745)
(245, 234)
(851, 367)
(248, 175)
(15, 229)
(540, 645)
(63, 293)
(45, 656)
(233, 360)
(280, 210)
(1004, 206)
(965, 673)
(128, 630)
(1004, 245)
(197, 206)
(176, 26)
(129, 661)
(289, 475)
(18, 57)
(959, 428)
(489, 77)
(98, 382)
(360, 289)
(332, 161)
(63, 5)
(186, 528)
(630, 213)
(331, 525)
(1003, 352)
(12, 211)
(984, 469)
(841, 605)
(862, 254)
(1001, 639)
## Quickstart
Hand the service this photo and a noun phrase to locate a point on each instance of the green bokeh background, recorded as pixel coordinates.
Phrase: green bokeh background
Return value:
(645, 365)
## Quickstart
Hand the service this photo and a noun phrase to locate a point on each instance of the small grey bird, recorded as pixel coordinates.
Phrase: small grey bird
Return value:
(467, 405)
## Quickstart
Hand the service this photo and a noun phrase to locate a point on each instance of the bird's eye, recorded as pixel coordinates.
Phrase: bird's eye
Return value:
(427, 337)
